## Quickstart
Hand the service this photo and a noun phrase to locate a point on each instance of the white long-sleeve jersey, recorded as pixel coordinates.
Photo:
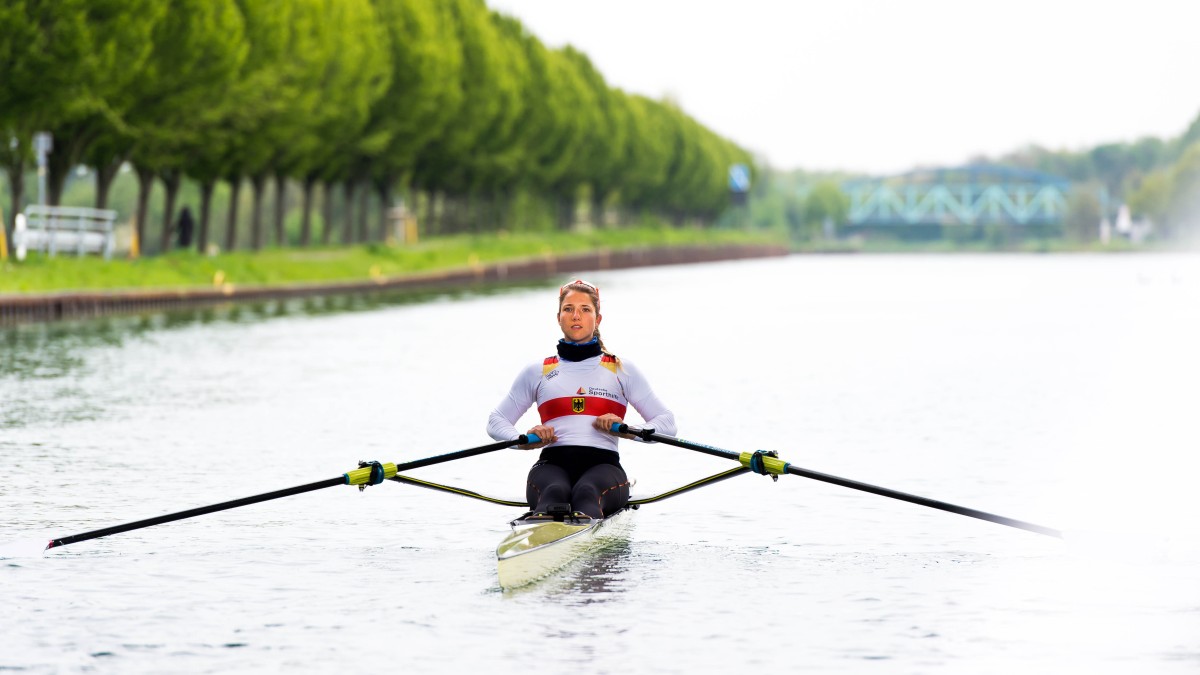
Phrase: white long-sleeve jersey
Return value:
(570, 395)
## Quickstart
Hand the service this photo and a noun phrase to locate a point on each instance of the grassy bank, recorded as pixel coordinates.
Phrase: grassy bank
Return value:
(188, 269)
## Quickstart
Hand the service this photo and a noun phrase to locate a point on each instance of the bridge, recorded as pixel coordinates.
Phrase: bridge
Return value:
(970, 195)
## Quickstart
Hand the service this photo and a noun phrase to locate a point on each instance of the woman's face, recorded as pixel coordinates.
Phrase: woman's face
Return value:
(577, 317)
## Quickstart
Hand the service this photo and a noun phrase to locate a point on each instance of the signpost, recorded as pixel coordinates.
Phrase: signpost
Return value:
(43, 143)
(739, 183)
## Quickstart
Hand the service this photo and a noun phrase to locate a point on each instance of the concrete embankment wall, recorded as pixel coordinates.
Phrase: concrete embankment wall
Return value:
(28, 308)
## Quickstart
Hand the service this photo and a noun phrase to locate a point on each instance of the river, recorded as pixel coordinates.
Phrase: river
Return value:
(1056, 389)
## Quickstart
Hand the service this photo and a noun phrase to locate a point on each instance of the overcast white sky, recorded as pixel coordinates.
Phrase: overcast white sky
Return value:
(882, 86)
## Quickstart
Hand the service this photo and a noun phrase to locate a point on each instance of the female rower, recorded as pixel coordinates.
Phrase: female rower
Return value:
(579, 393)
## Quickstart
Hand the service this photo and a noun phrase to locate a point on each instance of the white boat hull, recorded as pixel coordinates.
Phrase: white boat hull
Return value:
(536, 549)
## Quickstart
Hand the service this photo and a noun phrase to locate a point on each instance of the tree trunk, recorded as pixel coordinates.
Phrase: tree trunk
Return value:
(231, 227)
(421, 200)
(364, 204)
(447, 214)
(59, 163)
(306, 213)
(503, 207)
(329, 192)
(348, 212)
(145, 184)
(16, 186)
(384, 191)
(597, 211)
(206, 193)
(105, 175)
(385, 199)
(565, 212)
(171, 181)
(472, 210)
(280, 203)
(257, 183)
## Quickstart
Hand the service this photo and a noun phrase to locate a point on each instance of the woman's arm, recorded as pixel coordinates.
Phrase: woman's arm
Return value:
(642, 398)
(522, 395)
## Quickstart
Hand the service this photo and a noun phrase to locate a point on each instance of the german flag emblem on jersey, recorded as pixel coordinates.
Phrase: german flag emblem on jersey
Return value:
(577, 404)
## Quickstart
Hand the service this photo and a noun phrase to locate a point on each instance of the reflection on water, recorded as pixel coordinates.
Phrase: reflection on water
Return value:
(34, 356)
(58, 349)
(598, 576)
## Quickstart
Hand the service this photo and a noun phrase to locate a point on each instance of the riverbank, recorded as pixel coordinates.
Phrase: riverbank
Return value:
(47, 289)
(185, 270)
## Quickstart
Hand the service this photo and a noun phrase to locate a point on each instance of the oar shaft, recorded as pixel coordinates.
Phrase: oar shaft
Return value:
(460, 454)
(356, 477)
(779, 466)
(924, 501)
(198, 511)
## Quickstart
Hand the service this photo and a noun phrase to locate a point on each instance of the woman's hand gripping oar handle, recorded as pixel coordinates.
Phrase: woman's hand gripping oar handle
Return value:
(766, 463)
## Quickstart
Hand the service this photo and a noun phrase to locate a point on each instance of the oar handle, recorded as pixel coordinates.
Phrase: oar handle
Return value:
(644, 433)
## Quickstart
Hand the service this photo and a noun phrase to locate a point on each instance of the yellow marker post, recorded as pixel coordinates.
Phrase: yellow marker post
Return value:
(410, 230)
(134, 251)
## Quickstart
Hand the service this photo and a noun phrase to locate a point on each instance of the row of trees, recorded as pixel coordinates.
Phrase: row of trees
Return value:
(445, 97)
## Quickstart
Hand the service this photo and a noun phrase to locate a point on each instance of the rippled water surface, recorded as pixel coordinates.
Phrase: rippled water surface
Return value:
(1057, 389)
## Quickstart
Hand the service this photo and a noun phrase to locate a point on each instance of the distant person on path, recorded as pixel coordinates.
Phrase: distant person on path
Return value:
(186, 225)
(579, 394)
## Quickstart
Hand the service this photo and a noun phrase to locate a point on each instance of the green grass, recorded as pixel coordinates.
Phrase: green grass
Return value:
(187, 269)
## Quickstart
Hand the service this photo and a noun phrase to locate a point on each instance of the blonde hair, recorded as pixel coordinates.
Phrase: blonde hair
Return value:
(595, 297)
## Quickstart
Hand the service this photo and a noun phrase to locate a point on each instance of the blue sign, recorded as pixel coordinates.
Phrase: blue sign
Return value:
(739, 178)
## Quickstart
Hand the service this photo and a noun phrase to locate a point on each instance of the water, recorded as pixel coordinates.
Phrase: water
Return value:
(1055, 389)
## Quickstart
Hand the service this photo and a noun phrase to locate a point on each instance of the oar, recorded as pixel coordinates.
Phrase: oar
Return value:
(764, 463)
(371, 474)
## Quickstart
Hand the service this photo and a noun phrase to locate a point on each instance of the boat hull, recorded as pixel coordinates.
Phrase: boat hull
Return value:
(535, 549)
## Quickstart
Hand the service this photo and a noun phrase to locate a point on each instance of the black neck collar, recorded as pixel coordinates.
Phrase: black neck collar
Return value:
(570, 351)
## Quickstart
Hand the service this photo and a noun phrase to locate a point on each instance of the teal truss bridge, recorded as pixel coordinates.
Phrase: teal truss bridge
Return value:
(970, 195)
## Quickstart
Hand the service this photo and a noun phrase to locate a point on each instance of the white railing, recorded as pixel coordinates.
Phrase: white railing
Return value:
(64, 228)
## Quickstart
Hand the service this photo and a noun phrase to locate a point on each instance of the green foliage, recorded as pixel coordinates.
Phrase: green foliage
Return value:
(422, 96)
(1151, 195)
(1082, 222)
(825, 202)
(1184, 204)
(439, 96)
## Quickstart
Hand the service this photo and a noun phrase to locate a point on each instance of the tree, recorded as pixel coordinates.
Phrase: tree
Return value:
(180, 110)
(1082, 222)
(119, 36)
(62, 60)
(1184, 205)
(445, 163)
(825, 202)
(1151, 195)
(264, 91)
(423, 96)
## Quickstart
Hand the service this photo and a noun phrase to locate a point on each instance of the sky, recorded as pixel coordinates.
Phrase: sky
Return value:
(882, 86)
